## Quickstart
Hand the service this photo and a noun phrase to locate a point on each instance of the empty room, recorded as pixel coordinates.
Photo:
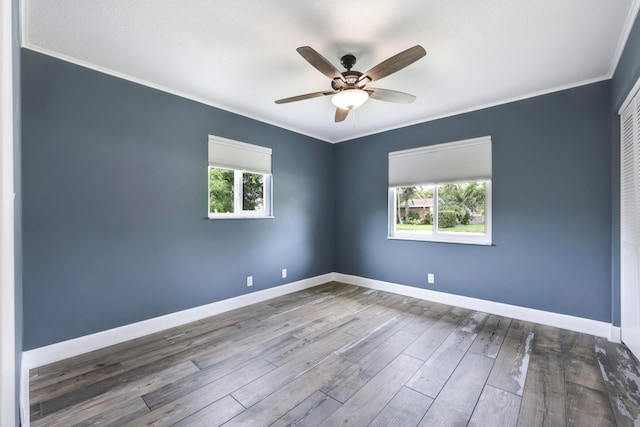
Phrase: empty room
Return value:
(320, 213)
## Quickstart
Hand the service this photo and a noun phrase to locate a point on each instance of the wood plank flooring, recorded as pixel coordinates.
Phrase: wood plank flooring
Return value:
(338, 355)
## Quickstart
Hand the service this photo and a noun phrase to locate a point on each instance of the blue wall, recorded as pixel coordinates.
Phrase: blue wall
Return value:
(115, 199)
(625, 76)
(551, 207)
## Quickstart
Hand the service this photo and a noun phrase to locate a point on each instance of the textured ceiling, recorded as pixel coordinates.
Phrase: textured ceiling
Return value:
(240, 54)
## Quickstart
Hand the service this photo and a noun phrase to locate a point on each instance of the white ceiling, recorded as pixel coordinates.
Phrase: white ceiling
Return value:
(240, 55)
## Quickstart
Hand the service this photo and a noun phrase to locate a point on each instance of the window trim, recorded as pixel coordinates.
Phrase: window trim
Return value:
(436, 236)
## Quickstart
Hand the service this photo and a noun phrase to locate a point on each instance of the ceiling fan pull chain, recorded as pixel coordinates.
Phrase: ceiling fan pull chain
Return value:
(353, 119)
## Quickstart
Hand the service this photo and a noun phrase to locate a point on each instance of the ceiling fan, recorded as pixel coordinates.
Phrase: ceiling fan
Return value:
(349, 88)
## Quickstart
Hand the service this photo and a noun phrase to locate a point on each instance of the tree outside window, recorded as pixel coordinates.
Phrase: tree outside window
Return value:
(460, 208)
(236, 192)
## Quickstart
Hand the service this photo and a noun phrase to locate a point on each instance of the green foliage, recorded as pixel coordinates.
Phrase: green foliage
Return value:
(220, 190)
(464, 217)
(414, 218)
(403, 195)
(447, 219)
(252, 191)
(467, 198)
(463, 200)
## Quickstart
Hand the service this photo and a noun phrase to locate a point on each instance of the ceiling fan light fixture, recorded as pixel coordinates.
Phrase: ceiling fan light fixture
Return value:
(348, 99)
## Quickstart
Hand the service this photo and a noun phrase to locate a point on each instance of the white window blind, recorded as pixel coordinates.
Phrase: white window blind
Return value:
(229, 154)
(460, 161)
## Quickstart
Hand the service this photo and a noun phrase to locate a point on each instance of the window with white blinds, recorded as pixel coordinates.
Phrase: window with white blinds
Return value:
(630, 223)
(240, 179)
(442, 192)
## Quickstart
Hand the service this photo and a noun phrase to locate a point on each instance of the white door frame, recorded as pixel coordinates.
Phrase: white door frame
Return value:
(8, 396)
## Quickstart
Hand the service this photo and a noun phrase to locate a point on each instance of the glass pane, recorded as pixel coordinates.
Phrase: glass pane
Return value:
(220, 190)
(252, 192)
(414, 209)
(461, 208)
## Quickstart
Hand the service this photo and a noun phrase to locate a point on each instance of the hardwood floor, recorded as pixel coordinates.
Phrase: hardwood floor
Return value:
(342, 355)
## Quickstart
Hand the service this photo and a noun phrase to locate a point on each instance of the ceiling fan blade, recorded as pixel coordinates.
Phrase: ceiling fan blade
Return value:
(305, 96)
(341, 114)
(390, 95)
(320, 63)
(393, 64)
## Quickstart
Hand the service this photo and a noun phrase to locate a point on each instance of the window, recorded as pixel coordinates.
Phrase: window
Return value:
(239, 179)
(442, 192)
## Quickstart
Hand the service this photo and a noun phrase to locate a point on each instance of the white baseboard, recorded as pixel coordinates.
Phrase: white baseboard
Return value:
(616, 334)
(564, 321)
(74, 347)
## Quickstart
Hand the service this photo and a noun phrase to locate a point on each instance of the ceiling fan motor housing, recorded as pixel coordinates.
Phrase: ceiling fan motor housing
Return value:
(350, 77)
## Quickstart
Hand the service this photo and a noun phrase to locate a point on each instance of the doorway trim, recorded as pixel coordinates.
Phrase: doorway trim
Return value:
(8, 398)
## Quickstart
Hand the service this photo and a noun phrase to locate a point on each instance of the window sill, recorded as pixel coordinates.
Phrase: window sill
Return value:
(233, 216)
(462, 241)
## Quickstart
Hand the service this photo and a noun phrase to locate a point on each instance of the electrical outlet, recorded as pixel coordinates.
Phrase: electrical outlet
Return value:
(431, 278)
(249, 281)
(284, 273)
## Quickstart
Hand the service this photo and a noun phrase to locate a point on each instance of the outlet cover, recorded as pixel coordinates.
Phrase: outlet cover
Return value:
(431, 278)
(284, 273)
(249, 281)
